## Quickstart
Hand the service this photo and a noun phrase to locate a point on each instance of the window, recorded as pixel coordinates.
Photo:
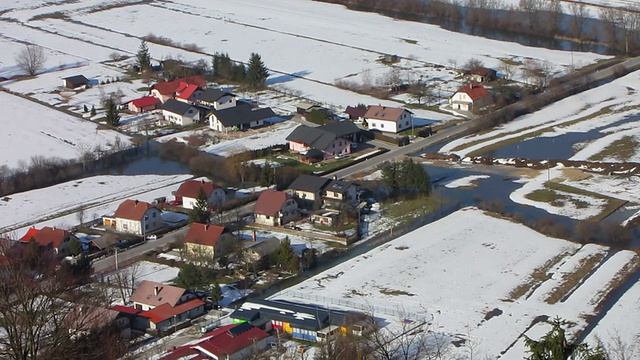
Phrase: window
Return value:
(382, 125)
(154, 214)
(340, 143)
(146, 226)
(333, 145)
(406, 123)
(268, 217)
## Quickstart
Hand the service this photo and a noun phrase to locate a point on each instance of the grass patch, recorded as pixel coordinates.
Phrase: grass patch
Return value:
(547, 196)
(539, 275)
(394, 292)
(54, 15)
(613, 204)
(585, 267)
(510, 61)
(409, 41)
(622, 150)
(523, 137)
(143, 89)
(289, 160)
(407, 210)
(338, 228)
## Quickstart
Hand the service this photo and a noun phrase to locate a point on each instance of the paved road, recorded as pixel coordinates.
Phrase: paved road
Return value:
(108, 263)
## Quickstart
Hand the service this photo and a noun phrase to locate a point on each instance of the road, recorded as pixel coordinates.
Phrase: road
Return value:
(108, 263)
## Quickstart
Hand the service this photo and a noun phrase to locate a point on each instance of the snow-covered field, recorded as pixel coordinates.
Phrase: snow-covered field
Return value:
(146, 270)
(466, 266)
(31, 129)
(468, 181)
(59, 205)
(610, 108)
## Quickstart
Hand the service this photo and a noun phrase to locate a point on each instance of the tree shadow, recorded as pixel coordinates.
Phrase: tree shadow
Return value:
(283, 78)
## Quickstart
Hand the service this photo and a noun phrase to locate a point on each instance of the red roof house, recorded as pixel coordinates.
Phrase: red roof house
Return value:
(189, 191)
(143, 104)
(471, 97)
(53, 238)
(356, 112)
(209, 240)
(166, 315)
(235, 341)
(169, 89)
(135, 217)
(275, 208)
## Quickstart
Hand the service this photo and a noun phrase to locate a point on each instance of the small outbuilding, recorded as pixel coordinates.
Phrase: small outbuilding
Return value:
(76, 82)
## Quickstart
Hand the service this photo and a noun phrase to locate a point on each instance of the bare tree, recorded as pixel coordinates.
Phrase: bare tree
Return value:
(579, 14)
(617, 348)
(532, 8)
(80, 215)
(537, 73)
(553, 16)
(31, 59)
(472, 64)
(125, 281)
(508, 69)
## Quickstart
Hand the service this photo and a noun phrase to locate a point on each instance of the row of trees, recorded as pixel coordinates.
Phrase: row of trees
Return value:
(406, 175)
(254, 74)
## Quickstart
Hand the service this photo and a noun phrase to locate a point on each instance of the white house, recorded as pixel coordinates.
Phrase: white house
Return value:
(135, 217)
(216, 99)
(275, 208)
(180, 113)
(470, 97)
(189, 191)
(388, 119)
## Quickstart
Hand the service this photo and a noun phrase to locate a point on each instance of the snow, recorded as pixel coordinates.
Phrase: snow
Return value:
(421, 273)
(100, 195)
(467, 181)
(34, 130)
(602, 108)
(376, 175)
(151, 271)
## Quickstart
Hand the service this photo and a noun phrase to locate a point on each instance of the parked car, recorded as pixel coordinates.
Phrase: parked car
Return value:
(175, 203)
(341, 156)
(354, 145)
(152, 237)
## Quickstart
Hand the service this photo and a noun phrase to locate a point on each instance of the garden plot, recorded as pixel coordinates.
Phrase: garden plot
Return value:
(610, 109)
(58, 205)
(34, 130)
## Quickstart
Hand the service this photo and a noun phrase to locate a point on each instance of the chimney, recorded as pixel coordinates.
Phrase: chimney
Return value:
(254, 237)
(136, 202)
(202, 181)
(156, 290)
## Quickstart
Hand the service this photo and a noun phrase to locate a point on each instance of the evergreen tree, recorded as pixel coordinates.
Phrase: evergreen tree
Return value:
(111, 111)
(75, 247)
(200, 212)
(222, 66)
(143, 56)
(390, 176)
(554, 346)
(258, 72)
(93, 110)
(239, 73)
(406, 175)
(216, 292)
(85, 109)
(285, 257)
(267, 176)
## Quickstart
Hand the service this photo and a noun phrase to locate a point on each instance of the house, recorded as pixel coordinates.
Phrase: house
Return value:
(341, 191)
(260, 249)
(169, 89)
(151, 294)
(275, 208)
(301, 321)
(134, 217)
(189, 94)
(50, 238)
(189, 191)
(331, 139)
(85, 318)
(180, 113)
(388, 119)
(77, 82)
(165, 316)
(324, 217)
(471, 97)
(216, 99)
(229, 342)
(482, 74)
(356, 114)
(308, 190)
(143, 104)
(305, 108)
(207, 241)
(241, 117)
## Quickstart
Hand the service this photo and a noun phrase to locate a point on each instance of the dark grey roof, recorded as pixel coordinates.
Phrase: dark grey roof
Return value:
(301, 316)
(308, 183)
(321, 137)
(176, 107)
(211, 95)
(313, 154)
(338, 186)
(242, 113)
(77, 80)
(265, 247)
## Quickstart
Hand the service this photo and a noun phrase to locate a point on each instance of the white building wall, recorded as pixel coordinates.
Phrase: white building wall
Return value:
(382, 125)
(225, 102)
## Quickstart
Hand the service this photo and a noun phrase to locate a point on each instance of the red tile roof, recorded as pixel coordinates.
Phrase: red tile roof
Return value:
(125, 309)
(356, 111)
(155, 294)
(204, 234)
(191, 188)
(30, 234)
(270, 202)
(383, 113)
(132, 210)
(221, 342)
(177, 85)
(47, 236)
(145, 101)
(165, 311)
(475, 91)
(187, 92)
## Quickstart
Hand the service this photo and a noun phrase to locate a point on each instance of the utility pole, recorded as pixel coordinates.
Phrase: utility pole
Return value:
(116, 255)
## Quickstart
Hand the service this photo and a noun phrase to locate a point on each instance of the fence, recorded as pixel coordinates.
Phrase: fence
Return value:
(398, 311)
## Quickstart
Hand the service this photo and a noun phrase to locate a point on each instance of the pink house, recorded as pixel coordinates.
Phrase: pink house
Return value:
(329, 140)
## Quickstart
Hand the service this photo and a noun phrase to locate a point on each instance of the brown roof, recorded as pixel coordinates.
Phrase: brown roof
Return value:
(177, 85)
(475, 91)
(356, 111)
(270, 202)
(383, 113)
(132, 210)
(191, 188)
(48, 236)
(155, 294)
(203, 234)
